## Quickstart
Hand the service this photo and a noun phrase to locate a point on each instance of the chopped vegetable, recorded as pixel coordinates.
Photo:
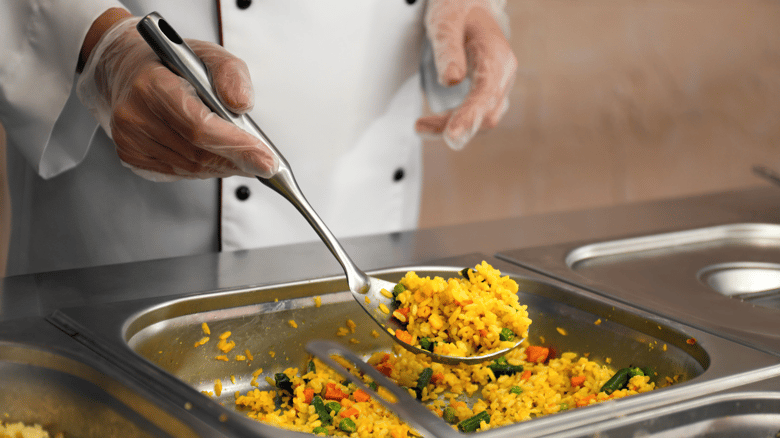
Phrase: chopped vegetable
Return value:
(472, 424)
(361, 396)
(516, 390)
(423, 380)
(449, 415)
(321, 410)
(334, 407)
(347, 425)
(506, 335)
(334, 393)
(308, 395)
(618, 381)
(427, 344)
(501, 367)
(537, 354)
(577, 380)
(397, 289)
(282, 381)
(403, 336)
(351, 412)
(320, 430)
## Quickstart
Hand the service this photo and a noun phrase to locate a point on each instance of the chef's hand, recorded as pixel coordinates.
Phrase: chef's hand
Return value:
(466, 39)
(161, 128)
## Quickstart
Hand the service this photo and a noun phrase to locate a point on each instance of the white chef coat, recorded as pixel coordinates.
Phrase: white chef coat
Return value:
(336, 89)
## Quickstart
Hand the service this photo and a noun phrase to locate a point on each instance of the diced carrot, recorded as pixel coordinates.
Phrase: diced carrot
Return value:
(437, 378)
(361, 396)
(308, 395)
(404, 336)
(334, 393)
(526, 375)
(351, 412)
(577, 380)
(585, 401)
(404, 311)
(483, 333)
(385, 368)
(537, 354)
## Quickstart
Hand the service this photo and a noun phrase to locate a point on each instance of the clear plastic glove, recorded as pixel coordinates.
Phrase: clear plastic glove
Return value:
(161, 128)
(467, 40)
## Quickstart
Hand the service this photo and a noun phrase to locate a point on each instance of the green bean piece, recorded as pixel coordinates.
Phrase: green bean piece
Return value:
(618, 381)
(423, 380)
(501, 367)
(333, 406)
(282, 381)
(427, 344)
(320, 430)
(310, 367)
(472, 424)
(347, 425)
(516, 390)
(397, 289)
(321, 410)
(635, 371)
(506, 335)
(449, 415)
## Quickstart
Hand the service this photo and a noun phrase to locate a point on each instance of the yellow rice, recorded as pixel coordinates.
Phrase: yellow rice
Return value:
(21, 430)
(462, 316)
(545, 386)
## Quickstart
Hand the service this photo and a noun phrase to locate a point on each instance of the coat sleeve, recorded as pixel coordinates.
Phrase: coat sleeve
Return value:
(40, 41)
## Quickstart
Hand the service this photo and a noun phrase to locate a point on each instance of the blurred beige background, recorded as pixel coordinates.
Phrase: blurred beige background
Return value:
(620, 101)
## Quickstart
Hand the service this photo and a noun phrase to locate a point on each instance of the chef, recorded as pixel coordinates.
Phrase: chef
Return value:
(111, 157)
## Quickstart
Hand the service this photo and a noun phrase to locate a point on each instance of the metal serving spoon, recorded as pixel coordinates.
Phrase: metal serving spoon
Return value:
(177, 56)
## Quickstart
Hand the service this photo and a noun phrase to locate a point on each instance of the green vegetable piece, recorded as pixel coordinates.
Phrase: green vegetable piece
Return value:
(321, 410)
(516, 390)
(373, 386)
(501, 367)
(347, 425)
(465, 273)
(472, 424)
(282, 381)
(397, 289)
(320, 430)
(648, 371)
(333, 406)
(310, 367)
(506, 335)
(427, 344)
(633, 372)
(618, 381)
(423, 380)
(449, 415)
(563, 407)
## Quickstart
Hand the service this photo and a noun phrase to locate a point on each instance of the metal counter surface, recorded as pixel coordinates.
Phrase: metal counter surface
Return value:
(40, 294)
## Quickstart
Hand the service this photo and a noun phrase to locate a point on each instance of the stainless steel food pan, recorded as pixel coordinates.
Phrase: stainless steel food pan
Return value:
(722, 279)
(154, 339)
(46, 378)
(750, 411)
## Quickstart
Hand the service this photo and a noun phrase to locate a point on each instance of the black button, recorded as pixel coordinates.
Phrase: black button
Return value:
(242, 193)
(411, 2)
(398, 175)
(243, 4)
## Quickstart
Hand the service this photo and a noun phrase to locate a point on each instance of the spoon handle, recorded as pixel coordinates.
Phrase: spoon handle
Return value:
(175, 54)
